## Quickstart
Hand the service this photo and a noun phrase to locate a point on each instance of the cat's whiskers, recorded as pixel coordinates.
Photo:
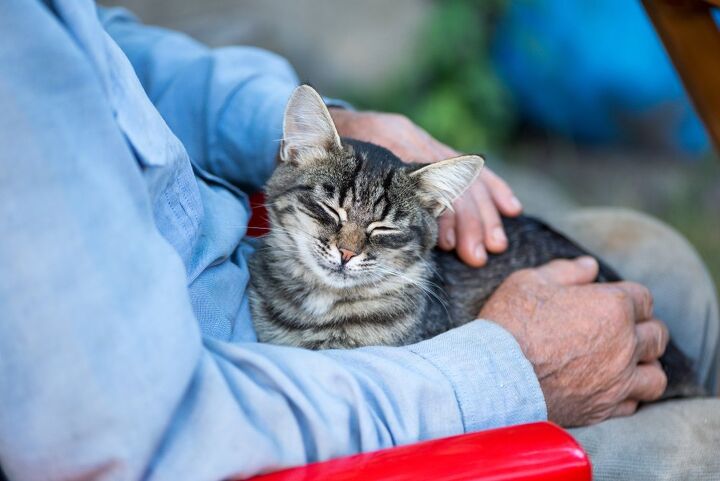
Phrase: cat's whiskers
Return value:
(430, 266)
(291, 234)
(424, 285)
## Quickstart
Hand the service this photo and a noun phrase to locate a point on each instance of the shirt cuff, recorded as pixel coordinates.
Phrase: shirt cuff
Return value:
(495, 385)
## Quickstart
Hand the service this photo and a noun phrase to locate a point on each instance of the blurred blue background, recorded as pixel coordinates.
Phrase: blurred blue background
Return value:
(594, 71)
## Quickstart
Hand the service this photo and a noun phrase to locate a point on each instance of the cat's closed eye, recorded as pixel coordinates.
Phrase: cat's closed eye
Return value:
(331, 211)
(375, 229)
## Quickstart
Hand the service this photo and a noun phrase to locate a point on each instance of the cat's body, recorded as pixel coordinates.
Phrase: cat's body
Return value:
(350, 261)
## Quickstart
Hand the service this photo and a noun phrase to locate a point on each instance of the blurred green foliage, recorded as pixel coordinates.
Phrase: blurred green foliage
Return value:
(694, 211)
(449, 86)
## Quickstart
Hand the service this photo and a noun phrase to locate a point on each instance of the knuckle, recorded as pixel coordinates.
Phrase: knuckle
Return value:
(646, 294)
(617, 304)
(647, 300)
(627, 407)
(617, 295)
(659, 383)
(632, 407)
(399, 118)
(523, 275)
(625, 358)
(616, 312)
(651, 302)
(491, 221)
(662, 339)
(665, 336)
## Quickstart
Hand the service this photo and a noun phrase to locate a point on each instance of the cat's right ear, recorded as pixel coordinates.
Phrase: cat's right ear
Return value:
(308, 129)
(439, 184)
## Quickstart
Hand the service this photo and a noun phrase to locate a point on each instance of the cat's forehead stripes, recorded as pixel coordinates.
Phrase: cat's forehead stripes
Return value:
(387, 183)
(294, 190)
(329, 189)
(350, 183)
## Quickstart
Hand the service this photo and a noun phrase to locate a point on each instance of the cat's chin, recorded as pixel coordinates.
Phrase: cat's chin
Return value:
(337, 277)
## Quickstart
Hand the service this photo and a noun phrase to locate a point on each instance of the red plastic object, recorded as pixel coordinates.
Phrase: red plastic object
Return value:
(537, 452)
(258, 220)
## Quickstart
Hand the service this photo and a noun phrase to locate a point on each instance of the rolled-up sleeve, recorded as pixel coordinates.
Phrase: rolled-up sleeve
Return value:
(226, 104)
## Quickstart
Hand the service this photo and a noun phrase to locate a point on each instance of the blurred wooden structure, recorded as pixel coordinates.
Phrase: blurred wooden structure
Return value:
(692, 38)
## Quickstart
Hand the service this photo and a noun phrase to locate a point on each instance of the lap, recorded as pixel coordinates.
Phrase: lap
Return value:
(672, 440)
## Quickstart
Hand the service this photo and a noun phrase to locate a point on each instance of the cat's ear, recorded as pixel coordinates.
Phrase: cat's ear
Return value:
(308, 129)
(443, 182)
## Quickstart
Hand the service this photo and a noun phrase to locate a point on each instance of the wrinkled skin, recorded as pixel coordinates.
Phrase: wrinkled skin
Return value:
(594, 347)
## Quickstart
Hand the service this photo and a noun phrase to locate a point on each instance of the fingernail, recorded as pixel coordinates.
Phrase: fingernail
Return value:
(450, 238)
(480, 253)
(498, 235)
(515, 203)
(587, 262)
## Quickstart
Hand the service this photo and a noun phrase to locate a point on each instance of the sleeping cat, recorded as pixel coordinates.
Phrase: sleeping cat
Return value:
(349, 259)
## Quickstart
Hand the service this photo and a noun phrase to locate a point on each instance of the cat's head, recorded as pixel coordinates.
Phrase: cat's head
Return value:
(351, 212)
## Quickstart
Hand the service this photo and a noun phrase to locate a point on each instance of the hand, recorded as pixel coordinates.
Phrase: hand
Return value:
(595, 347)
(475, 224)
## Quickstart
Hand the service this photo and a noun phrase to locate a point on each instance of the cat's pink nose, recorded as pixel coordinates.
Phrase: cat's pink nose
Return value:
(346, 255)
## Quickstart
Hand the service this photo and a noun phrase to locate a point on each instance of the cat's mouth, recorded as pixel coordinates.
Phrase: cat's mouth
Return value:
(341, 270)
(340, 275)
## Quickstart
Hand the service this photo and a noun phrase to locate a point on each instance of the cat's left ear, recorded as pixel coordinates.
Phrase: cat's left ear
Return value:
(308, 130)
(443, 182)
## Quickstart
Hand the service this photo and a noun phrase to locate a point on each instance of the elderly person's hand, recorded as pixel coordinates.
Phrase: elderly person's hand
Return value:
(474, 227)
(594, 347)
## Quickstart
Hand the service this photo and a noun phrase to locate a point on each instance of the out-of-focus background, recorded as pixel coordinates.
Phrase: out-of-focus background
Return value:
(576, 103)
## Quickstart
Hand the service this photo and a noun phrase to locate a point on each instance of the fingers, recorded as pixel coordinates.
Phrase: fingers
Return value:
(639, 295)
(652, 339)
(446, 237)
(582, 270)
(469, 232)
(494, 234)
(625, 408)
(648, 382)
(501, 193)
(477, 227)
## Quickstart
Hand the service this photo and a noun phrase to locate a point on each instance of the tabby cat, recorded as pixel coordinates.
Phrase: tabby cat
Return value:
(349, 259)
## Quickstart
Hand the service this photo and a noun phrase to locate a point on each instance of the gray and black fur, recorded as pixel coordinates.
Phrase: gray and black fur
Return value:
(350, 261)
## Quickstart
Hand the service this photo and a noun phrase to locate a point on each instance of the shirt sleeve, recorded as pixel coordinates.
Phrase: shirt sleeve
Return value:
(103, 371)
(226, 104)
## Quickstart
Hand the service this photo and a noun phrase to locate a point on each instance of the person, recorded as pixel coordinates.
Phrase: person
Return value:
(126, 345)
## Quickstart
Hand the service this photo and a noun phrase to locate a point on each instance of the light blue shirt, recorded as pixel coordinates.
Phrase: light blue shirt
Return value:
(126, 344)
